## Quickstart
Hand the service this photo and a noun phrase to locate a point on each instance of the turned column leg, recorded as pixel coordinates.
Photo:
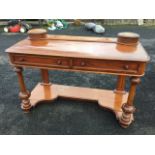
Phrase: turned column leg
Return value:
(128, 108)
(45, 83)
(45, 77)
(120, 88)
(24, 94)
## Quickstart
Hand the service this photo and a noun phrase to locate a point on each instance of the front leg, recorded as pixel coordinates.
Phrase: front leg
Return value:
(24, 94)
(120, 88)
(128, 108)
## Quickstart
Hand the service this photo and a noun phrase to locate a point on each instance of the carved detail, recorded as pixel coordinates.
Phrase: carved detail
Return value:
(135, 80)
(25, 105)
(128, 108)
(126, 117)
(24, 94)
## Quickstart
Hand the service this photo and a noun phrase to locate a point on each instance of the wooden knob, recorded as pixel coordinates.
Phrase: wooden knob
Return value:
(83, 63)
(59, 62)
(21, 59)
(126, 67)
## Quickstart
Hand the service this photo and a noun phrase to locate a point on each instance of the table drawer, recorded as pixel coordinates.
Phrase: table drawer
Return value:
(81, 64)
(106, 65)
(59, 62)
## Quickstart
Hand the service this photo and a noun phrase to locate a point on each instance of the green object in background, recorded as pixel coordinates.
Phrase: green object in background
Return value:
(65, 24)
(56, 24)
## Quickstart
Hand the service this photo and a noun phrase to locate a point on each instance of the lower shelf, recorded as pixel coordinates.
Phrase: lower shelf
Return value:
(105, 98)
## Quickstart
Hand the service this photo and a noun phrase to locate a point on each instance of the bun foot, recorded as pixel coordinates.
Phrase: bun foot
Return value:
(127, 116)
(25, 105)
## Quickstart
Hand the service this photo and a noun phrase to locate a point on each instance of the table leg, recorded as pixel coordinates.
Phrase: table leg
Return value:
(120, 88)
(128, 108)
(45, 77)
(46, 84)
(24, 94)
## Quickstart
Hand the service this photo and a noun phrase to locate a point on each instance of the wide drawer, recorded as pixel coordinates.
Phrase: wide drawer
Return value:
(106, 65)
(81, 64)
(59, 62)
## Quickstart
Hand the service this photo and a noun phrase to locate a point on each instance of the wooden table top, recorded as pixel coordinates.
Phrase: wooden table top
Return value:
(80, 47)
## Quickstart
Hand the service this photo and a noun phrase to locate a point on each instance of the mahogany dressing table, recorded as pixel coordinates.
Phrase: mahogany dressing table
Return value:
(86, 54)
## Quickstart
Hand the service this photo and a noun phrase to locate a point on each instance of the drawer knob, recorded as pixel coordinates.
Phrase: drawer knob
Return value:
(83, 63)
(126, 67)
(21, 59)
(59, 62)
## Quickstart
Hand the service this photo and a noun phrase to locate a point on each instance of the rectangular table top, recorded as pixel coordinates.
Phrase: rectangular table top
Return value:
(79, 47)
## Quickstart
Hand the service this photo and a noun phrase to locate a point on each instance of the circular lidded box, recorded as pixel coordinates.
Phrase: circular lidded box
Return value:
(128, 38)
(37, 33)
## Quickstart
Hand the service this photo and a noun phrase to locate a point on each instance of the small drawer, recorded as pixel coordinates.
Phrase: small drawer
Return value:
(106, 65)
(60, 62)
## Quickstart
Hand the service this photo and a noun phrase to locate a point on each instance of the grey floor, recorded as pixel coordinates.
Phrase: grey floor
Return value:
(75, 117)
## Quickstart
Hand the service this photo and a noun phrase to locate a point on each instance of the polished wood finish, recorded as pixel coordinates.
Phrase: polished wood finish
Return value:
(112, 67)
(80, 38)
(84, 54)
(45, 77)
(79, 49)
(37, 33)
(128, 108)
(105, 98)
(120, 88)
(24, 94)
(128, 38)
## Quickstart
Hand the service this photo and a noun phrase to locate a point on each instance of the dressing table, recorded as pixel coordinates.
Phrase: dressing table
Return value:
(80, 54)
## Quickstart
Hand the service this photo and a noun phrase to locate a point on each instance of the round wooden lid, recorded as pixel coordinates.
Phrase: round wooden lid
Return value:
(128, 38)
(128, 35)
(37, 31)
